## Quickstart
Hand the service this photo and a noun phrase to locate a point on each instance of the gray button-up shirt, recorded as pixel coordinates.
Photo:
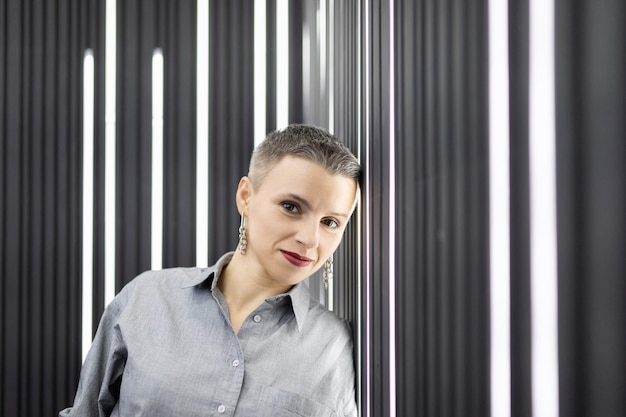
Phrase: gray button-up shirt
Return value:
(165, 347)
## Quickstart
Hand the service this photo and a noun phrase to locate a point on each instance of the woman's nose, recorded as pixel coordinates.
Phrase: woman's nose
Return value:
(309, 234)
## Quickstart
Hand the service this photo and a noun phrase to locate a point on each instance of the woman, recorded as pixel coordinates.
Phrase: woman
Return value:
(243, 337)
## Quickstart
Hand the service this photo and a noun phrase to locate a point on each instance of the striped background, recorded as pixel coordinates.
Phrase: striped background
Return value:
(492, 138)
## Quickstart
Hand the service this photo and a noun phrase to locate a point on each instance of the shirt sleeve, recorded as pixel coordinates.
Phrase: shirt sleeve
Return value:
(101, 373)
(347, 400)
(349, 406)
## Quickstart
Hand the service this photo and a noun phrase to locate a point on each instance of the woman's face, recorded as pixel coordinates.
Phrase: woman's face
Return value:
(295, 219)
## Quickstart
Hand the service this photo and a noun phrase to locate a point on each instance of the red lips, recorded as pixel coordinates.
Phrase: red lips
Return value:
(296, 259)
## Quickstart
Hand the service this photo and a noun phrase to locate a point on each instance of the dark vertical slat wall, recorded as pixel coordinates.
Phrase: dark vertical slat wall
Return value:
(442, 242)
(441, 196)
(521, 401)
(309, 104)
(296, 20)
(41, 54)
(347, 128)
(270, 66)
(136, 41)
(591, 178)
(177, 39)
(93, 22)
(42, 45)
(376, 159)
(231, 109)
(171, 27)
(144, 26)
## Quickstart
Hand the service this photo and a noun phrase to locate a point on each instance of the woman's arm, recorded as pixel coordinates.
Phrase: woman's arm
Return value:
(101, 374)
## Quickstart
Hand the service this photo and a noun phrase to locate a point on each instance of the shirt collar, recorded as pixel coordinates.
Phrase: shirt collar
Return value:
(300, 300)
(197, 276)
(299, 294)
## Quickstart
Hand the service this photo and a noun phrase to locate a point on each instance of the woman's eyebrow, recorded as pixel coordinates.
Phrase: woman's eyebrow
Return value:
(303, 201)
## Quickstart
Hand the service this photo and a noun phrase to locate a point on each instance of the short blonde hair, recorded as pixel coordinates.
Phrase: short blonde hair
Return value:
(307, 142)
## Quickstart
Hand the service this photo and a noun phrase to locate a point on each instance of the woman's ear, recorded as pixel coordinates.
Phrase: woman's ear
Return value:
(244, 192)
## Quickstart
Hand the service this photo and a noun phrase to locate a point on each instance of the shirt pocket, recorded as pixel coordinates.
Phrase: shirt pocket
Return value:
(275, 402)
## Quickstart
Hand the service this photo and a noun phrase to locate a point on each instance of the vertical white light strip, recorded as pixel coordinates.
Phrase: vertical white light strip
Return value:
(260, 70)
(202, 132)
(499, 208)
(330, 48)
(543, 251)
(368, 215)
(157, 160)
(331, 65)
(321, 42)
(359, 218)
(109, 150)
(88, 167)
(392, 214)
(282, 63)
(306, 66)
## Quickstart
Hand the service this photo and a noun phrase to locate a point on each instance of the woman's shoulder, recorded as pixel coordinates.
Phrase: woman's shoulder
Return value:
(163, 283)
(179, 277)
(322, 317)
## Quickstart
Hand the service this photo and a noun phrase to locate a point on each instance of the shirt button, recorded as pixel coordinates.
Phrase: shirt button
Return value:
(221, 408)
(236, 363)
(257, 318)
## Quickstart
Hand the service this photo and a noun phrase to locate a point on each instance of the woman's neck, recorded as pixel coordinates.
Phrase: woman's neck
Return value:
(244, 288)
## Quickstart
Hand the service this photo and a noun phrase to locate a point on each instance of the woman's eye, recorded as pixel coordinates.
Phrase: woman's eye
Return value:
(332, 223)
(289, 206)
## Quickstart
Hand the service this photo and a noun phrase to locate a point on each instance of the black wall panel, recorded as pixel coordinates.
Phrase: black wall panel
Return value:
(296, 20)
(376, 157)
(41, 54)
(42, 45)
(270, 66)
(347, 128)
(93, 23)
(442, 241)
(136, 42)
(177, 37)
(591, 177)
(521, 401)
(231, 116)
(144, 26)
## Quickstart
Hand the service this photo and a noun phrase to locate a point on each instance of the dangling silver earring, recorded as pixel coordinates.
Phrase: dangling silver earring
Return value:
(327, 273)
(243, 240)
